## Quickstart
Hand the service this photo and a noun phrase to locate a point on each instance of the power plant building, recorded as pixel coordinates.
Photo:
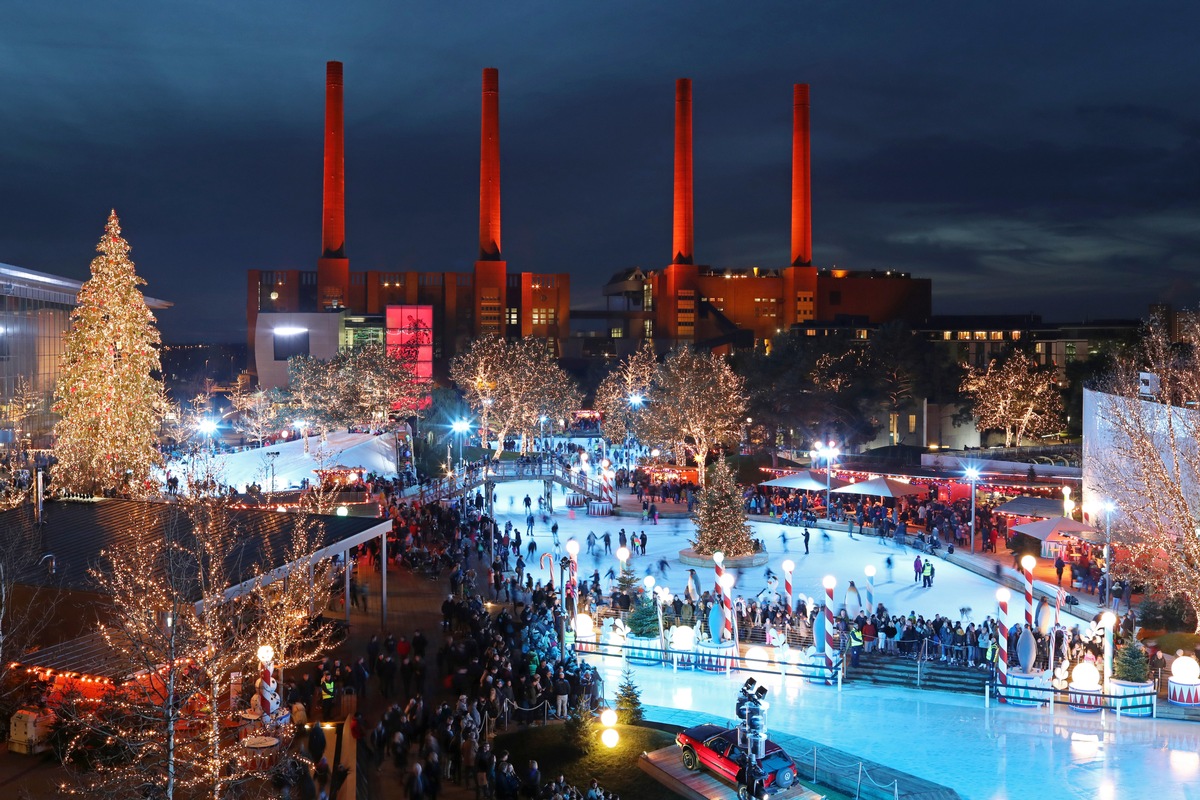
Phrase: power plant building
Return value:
(294, 312)
(297, 312)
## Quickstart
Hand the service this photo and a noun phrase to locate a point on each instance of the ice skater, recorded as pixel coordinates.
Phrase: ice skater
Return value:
(783, 537)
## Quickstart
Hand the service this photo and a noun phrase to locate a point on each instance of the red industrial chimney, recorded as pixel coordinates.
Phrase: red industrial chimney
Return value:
(489, 169)
(333, 268)
(683, 232)
(801, 180)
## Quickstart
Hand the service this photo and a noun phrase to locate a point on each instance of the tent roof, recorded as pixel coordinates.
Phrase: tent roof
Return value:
(87, 655)
(809, 480)
(1044, 507)
(884, 487)
(76, 532)
(1043, 529)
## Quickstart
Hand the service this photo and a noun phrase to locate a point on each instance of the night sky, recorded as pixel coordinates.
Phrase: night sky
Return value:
(1028, 157)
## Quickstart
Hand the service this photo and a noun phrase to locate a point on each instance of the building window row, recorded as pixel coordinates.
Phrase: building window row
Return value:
(545, 316)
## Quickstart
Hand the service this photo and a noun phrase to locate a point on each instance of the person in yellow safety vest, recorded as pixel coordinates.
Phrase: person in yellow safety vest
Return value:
(856, 644)
(927, 574)
(991, 653)
(327, 691)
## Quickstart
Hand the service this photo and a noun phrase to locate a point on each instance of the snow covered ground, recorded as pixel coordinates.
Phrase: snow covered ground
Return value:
(372, 453)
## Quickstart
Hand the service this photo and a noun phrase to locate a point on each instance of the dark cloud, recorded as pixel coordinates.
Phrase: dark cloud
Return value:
(1026, 157)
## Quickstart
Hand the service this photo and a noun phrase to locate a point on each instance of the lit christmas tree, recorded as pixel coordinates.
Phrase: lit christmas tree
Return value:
(109, 394)
(721, 516)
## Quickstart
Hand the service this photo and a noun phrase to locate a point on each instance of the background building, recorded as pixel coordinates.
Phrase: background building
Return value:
(34, 318)
(299, 312)
(712, 307)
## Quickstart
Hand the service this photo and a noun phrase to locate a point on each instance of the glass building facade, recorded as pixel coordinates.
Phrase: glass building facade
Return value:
(35, 314)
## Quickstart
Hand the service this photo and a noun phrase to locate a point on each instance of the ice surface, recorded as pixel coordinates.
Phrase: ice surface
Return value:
(996, 753)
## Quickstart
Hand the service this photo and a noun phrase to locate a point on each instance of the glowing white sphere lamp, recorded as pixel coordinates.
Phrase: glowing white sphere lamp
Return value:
(610, 737)
(1183, 687)
(572, 548)
(608, 718)
(1085, 676)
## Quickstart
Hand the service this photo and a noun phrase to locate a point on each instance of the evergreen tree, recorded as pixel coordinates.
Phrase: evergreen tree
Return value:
(627, 580)
(581, 728)
(721, 517)
(109, 392)
(643, 618)
(1131, 663)
(629, 699)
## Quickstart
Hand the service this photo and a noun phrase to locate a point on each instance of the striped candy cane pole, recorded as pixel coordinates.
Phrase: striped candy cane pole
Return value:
(870, 588)
(729, 614)
(1027, 564)
(788, 566)
(830, 582)
(606, 491)
(1002, 596)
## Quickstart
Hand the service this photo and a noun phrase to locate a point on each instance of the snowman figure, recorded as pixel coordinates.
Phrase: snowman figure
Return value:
(266, 700)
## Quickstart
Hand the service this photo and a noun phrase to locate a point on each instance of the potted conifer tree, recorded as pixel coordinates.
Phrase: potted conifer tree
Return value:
(1130, 686)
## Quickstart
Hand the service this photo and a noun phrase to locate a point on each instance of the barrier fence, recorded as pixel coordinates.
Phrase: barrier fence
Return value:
(1083, 699)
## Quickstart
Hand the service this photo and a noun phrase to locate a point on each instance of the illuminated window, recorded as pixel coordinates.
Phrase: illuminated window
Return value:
(946, 336)
(648, 328)
(912, 423)
(981, 335)
(997, 336)
(964, 335)
(1016, 334)
(1040, 347)
(617, 333)
(514, 316)
(544, 316)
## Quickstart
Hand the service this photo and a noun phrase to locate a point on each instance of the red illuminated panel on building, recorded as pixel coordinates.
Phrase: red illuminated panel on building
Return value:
(410, 335)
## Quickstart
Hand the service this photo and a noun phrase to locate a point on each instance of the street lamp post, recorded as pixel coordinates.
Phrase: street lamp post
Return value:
(461, 427)
(1109, 508)
(623, 556)
(1108, 621)
(573, 554)
(973, 476)
(828, 453)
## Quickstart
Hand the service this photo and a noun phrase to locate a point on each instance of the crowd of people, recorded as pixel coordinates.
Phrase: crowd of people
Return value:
(497, 669)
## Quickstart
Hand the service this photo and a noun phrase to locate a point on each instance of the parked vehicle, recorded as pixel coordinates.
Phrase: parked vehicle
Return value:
(716, 748)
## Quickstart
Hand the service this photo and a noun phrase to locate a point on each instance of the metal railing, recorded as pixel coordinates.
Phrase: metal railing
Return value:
(652, 653)
(503, 472)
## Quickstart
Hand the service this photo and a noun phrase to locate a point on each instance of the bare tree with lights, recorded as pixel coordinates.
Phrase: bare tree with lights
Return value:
(512, 385)
(1149, 462)
(257, 414)
(107, 435)
(1017, 396)
(189, 605)
(621, 396)
(695, 404)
